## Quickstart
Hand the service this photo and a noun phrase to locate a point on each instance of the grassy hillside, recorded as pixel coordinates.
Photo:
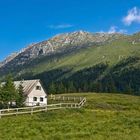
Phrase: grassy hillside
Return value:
(112, 53)
(104, 117)
(77, 59)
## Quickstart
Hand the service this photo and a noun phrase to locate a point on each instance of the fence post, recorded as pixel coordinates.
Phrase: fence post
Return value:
(31, 110)
(46, 108)
(17, 112)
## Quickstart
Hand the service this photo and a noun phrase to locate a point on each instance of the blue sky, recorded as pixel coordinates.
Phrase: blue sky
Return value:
(28, 21)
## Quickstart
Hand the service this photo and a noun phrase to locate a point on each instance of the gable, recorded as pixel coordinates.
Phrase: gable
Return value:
(37, 90)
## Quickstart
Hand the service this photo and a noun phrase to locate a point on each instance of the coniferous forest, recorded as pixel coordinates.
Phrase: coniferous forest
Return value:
(122, 78)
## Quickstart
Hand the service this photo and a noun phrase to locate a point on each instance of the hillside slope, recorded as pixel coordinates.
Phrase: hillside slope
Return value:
(60, 44)
(60, 58)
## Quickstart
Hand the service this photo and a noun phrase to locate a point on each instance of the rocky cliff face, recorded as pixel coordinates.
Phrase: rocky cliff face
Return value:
(58, 43)
(8, 59)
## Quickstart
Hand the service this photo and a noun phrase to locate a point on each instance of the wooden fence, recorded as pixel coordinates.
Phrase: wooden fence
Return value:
(65, 98)
(35, 109)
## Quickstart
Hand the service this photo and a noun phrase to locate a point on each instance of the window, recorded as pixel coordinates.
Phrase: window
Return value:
(41, 99)
(38, 87)
(34, 98)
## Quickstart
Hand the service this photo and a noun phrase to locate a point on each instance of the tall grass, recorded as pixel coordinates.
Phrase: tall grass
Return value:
(104, 117)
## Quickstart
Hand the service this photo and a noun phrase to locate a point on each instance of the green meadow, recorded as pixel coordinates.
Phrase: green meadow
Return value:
(104, 117)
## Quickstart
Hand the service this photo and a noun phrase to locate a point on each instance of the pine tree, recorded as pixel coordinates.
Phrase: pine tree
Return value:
(61, 88)
(9, 92)
(21, 97)
(98, 86)
(1, 104)
(71, 87)
(52, 88)
(0, 92)
(111, 85)
(85, 86)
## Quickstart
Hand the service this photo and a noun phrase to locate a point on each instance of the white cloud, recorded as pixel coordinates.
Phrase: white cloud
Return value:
(114, 29)
(60, 26)
(122, 31)
(132, 16)
(101, 31)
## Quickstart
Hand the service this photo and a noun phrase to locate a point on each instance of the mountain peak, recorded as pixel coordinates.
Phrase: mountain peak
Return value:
(78, 32)
(59, 43)
(82, 32)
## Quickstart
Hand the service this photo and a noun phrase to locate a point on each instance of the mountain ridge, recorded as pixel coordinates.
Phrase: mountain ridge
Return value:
(57, 42)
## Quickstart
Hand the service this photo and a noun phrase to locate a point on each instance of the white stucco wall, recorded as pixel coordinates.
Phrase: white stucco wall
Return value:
(38, 94)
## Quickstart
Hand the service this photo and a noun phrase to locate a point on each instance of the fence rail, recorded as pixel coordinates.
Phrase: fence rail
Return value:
(65, 98)
(35, 109)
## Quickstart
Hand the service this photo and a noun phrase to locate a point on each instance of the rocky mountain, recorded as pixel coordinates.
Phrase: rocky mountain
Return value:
(8, 59)
(59, 43)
